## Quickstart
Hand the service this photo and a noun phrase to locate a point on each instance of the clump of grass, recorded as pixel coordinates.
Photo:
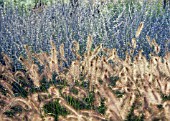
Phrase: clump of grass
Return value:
(134, 84)
(55, 109)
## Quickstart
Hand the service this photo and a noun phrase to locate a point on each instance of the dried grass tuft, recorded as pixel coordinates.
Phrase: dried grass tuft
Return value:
(135, 85)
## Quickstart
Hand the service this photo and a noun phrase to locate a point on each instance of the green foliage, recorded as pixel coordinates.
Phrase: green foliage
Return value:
(113, 80)
(25, 6)
(74, 91)
(44, 84)
(100, 81)
(85, 103)
(19, 90)
(13, 110)
(102, 108)
(9, 113)
(131, 116)
(155, 9)
(89, 100)
(3, 90)
(55, 109)
(75, 103)
(165, 97)
(58, 82)
(85, 84)
(160, 107)
(1, 3)
(118, 93)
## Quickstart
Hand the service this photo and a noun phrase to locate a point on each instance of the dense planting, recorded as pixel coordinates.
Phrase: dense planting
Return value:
(84, 61)
(98, 86)
(109, 23)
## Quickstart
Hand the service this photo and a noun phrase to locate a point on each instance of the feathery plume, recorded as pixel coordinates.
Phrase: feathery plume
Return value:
(62, 51)
(133, 43)
(89, 44)
(140, 27)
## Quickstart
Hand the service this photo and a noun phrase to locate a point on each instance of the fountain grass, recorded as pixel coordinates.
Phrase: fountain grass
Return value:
(48, 71)
(90, 88)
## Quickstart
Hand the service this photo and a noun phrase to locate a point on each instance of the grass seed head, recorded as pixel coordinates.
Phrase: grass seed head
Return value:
(133, 43)
(89, 44)
(139, 29)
